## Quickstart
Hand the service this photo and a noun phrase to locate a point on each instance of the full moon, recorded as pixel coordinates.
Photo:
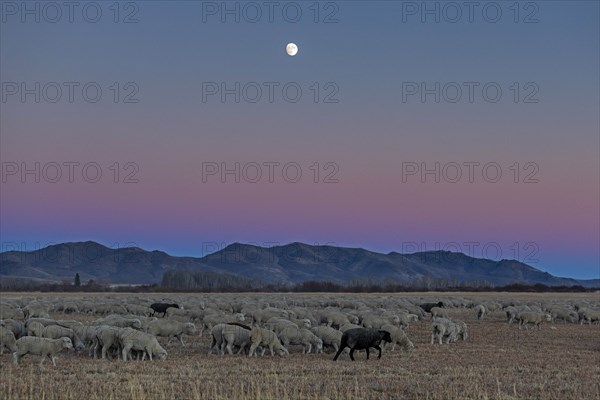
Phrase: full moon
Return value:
(291, 49)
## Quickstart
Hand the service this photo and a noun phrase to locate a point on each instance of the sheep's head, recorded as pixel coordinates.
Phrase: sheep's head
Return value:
(385, 336)
(306, 323)
(396, 320)
(319, 346)
(282, 351)
(66, 343)
(162, 355)
(240, 317)
(190, 328)
(548, 317)
(353, 319)
(136, 324)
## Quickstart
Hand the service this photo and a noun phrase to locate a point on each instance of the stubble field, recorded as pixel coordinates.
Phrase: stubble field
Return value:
(498, 361)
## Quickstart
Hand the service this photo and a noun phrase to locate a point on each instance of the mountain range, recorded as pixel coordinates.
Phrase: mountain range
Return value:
(291, 263)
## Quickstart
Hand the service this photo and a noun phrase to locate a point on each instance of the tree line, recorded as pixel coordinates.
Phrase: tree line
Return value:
(189, 281)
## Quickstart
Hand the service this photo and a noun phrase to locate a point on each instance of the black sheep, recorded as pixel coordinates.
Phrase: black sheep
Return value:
(162, 307)
(428, 306)
(362, 339)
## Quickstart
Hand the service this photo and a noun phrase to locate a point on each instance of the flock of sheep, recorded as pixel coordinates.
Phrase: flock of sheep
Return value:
(130, 327)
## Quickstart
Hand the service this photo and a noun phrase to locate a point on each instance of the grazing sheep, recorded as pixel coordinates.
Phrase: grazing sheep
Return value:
(87, 334)
(511, 314)
(119, 322)
(362, 338)
(168, 328)
(298, 336)
(329, 336)
(438, 312)
(34, 328)
(11, 313)
(398, 338)
(106, 338)
(588, 315)
(451, 331)
(531, 317)
(337, 319)
(376, 322)
(7, 339)
(56, 332)
(70, 307)
(277, 325)
(428, 306)
(231, 335)
(16, 327)
(40, 346)
(69, 323)
(142, 310)
(259, 316)
(565, 314)
(131, 339)
(406, 319)
(162, 308)
(302, 322)
(266, 338)
(480, 311)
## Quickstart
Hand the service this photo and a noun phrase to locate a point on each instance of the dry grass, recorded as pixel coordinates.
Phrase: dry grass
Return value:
(497, 362)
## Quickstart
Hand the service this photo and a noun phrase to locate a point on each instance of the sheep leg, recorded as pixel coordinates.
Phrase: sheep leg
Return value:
(367, 350)
(352, 353)
(378, 348)
(180, 337)
(53, 360)
(252, 349)
(126, 352)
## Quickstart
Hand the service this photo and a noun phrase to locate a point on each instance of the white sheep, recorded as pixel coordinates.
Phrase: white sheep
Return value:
(56, 332)
(589, 315)
(232, 335)
(40, 346)
(169, 328)
(34, 328)
(480, 311)
(131, 339)
(337, 319)
(445, 329)
(439, 312)
(106, 337)
(563, 313)
(7, 339)
(398, 338)
(329, 336)
(531, 317)
(266, 338)
(298, 336)
(118, 321)
(376, 322)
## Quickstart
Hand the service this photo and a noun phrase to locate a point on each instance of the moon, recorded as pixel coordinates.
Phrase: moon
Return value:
(291, 49)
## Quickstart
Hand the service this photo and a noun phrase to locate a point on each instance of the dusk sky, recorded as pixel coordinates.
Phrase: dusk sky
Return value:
(504, 99)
